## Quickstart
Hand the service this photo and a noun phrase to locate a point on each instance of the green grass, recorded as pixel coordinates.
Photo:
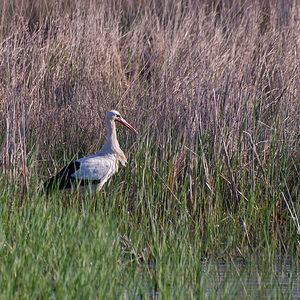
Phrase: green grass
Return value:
(146, 233)
(52, 248)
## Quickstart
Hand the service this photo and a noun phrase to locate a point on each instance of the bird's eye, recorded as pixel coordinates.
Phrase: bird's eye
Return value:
(118, 116)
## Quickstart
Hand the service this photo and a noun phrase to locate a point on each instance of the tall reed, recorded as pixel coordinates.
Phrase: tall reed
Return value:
(212, 86)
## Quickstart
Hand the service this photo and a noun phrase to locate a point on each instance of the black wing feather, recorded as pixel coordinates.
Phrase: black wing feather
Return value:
(63, 178)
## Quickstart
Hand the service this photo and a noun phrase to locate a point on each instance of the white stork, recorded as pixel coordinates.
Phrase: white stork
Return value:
(95, 169)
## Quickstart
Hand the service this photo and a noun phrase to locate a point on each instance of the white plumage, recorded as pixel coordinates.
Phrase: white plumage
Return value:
(100, 168)
(95, 169)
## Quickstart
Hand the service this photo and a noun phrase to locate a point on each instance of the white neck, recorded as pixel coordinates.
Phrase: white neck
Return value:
(111, 146)
(112, 136)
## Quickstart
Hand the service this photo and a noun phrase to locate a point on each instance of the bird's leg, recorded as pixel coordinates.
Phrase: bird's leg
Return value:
(93, 201)
(93, 198)
(73, 199)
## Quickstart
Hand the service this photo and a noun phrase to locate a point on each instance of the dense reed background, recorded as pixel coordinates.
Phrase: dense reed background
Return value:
(213, 89)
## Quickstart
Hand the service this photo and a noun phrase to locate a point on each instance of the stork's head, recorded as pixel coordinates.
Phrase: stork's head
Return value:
(114, 115)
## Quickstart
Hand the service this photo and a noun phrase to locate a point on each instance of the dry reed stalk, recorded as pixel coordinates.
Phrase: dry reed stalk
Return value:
(236, 64)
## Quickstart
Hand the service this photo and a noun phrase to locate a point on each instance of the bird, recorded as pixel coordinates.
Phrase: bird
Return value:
(96, 169)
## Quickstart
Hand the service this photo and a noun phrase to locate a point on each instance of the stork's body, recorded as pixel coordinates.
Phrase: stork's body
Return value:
(95, 169)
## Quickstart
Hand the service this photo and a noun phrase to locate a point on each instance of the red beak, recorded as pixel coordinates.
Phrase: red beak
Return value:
(125, 123)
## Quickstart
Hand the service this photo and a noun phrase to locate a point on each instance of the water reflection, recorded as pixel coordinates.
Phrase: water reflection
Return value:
(255, 279)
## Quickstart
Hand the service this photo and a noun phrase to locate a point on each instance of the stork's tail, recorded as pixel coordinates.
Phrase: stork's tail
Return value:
(62, 179)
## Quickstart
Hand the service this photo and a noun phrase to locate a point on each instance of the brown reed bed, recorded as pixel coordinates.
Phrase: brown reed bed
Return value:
(212, 86)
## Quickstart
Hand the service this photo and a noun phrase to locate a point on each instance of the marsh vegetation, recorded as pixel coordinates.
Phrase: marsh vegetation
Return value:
(213, 89)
